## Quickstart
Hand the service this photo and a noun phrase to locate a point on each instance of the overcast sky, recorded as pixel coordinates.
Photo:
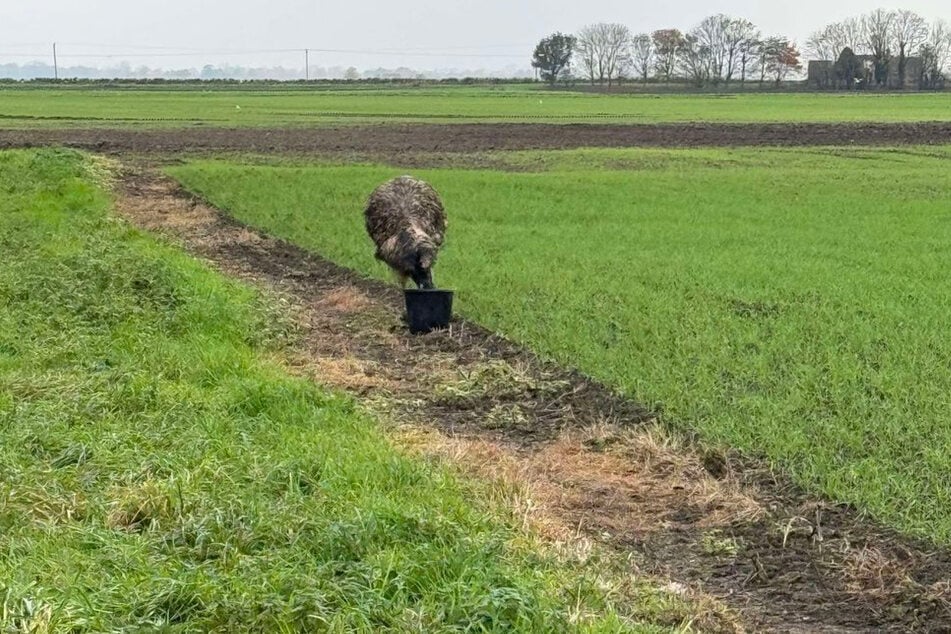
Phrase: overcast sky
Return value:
(496, 33)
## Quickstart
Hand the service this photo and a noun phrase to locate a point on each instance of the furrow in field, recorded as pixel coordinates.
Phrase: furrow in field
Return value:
(398, 138)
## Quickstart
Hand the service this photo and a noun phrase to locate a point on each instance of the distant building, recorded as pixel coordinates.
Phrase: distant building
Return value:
(822, 74)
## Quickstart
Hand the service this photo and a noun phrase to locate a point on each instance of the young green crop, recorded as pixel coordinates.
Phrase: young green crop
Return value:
(791, 303)
(177, 108)
(158, 472)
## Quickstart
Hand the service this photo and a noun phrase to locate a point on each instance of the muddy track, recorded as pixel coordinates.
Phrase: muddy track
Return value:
(719, 524)
(397, 138)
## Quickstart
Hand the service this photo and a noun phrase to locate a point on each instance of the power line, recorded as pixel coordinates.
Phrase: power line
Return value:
(457, 48)
(136, 47)
(397, 49)
(394, 52)
(144, 51)
(119, 52)
(285, 52)
(153, 55)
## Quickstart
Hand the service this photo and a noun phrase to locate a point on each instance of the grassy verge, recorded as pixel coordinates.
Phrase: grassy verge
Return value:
(159, 470)
(792, 303)
(93, 107)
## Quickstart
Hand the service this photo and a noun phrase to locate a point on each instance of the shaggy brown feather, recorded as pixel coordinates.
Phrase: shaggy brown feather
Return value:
(406, 220)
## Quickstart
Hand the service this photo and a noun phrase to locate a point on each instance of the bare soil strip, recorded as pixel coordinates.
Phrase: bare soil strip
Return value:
(396, 138)
(595, 463)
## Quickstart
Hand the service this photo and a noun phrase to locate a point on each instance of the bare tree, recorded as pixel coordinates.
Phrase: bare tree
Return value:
(819, 44)
(618, 51)
(849, 34)
(749, 52)
(642, 55)
(738, 35)
(694, 60)
(709, 42)
(910, 32)
(761, 59)
(603, 50)
(718, 47)
(940, 39)
(667, 45)
(877, 28)
(936, 55)
(829, 42)
(721, 39)
(587, 52)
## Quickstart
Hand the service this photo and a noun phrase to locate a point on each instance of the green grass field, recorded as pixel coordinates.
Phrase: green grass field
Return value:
(793, 304)
(160, 471)
(163, 107)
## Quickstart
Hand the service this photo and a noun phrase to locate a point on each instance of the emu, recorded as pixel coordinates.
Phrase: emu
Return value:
(406, 220)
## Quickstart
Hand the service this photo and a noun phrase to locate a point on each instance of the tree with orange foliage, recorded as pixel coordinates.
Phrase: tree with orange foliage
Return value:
(782, 58)
(667, 46)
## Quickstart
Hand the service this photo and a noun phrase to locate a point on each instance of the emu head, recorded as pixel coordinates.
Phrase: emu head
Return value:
(422, 272)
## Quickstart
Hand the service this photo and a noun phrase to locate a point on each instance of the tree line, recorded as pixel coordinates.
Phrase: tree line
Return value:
(724, 49)
(889, 38)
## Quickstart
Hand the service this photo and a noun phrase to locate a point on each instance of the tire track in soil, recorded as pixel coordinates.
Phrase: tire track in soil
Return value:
(395, 138)
(720, 524)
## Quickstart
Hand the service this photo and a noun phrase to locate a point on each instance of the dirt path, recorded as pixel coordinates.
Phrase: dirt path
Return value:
(594, 462)
(397, 138)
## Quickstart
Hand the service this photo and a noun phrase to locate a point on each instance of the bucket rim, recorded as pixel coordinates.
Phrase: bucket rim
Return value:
(427, 291)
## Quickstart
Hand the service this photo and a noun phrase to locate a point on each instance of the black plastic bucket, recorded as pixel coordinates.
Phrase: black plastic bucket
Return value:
(427, 309)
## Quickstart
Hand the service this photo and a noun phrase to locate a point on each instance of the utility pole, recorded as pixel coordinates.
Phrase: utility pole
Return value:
(55, 63)
(307, 64)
